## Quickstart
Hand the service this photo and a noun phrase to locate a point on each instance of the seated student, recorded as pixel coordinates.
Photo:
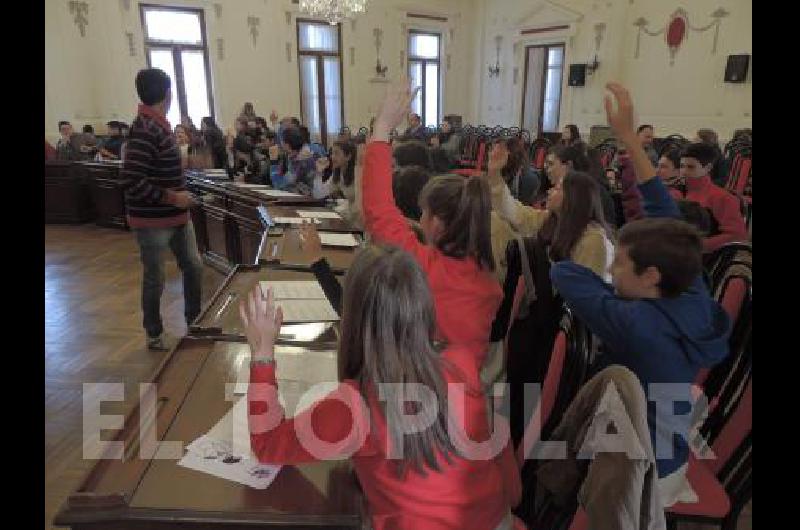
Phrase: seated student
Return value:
(243, 147)
(644, 137)
(429, 478)
(719, 173)
(448, 139)
(214, 140)
(658, 319)
(335, 175)
(572, 224)
(669, 169)
(65, 150)
(316, 148)
(697, 160)
(294, 171)
(407, 185)
(457, 258)
(411, 153)
(440, 161)
(522, 180)
(111, 147)
(184, 148)
(571, 137)
(415, 128)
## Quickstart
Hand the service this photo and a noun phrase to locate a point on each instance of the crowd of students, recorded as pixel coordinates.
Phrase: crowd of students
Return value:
(419, 304)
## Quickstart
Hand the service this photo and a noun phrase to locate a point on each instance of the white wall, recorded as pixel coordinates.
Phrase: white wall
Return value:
(677, 98)
(91, 79)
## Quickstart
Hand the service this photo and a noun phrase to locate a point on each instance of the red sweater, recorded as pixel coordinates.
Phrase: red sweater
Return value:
(724, 207)
(469, 493)
(465, 295)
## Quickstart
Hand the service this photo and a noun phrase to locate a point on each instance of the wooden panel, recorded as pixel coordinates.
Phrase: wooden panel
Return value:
(283, 246)
(66, 193)
(249, 240)
(107, 195)
(216, 252)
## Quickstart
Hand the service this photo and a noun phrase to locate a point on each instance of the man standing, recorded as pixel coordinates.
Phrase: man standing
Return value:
(157, 204)
(645, 135)
(64, 148)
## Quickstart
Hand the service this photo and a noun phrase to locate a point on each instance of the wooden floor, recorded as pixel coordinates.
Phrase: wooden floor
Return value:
(93, 333)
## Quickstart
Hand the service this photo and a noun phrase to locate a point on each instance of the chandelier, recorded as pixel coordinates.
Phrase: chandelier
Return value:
(334, 11)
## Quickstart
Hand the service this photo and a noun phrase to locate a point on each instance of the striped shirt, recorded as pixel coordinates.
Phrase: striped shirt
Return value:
(151, 173)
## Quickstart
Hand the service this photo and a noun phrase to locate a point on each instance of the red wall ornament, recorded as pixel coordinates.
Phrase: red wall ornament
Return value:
(675, 32)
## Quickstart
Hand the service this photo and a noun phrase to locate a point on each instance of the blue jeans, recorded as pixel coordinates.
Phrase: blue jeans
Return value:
(152, 244)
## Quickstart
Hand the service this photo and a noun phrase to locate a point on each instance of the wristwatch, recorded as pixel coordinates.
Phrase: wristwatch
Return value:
(263, 360)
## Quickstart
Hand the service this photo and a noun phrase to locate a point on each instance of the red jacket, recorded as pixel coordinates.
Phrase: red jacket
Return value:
(724, 207)
(465, 295)
(469, 493)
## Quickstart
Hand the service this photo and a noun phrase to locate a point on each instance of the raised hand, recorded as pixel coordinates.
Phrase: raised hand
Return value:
(322, 164)
(621, 119)
(395, 108)
(262, 322)
(273, 116)
(310, 242)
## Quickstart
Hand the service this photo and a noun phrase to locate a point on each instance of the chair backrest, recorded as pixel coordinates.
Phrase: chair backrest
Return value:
(566, 373)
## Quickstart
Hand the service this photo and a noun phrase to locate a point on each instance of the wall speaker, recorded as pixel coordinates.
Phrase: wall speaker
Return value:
(577, 75)
(736, 69)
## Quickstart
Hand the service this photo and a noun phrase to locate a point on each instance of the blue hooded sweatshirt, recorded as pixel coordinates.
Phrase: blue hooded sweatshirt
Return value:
(661, 340)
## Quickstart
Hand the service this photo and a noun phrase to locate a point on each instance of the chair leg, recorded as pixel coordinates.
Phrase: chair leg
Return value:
(672, 524)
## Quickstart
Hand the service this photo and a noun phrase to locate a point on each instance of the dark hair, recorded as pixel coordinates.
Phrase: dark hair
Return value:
(581, 206)
(673, 247)
(673, 154)
(407, 184)
(413, 153)
(568, 153)
(293, 138)
(349, 149)
(440, 160)
(643, 127)
(517, 158)
(464, 207)
(261, 122)
(387, 337)
(88, 129)
(62, 123)
(695, 215)
(295, 121)
(702, 152)
(708, 136)
(574, 133)
(209, 122)
(306, 134)
(152, 85)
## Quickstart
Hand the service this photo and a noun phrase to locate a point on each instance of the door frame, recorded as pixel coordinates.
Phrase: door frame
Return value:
(546, 48)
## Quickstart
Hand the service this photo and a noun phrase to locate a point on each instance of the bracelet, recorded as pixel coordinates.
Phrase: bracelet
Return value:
(262, 360)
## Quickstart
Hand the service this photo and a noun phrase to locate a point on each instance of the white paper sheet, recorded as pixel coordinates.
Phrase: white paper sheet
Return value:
(307, 311)
(294, 290)
(318, 215)
(294, 220)
(206, 457)
(249, 185)
(338, 240)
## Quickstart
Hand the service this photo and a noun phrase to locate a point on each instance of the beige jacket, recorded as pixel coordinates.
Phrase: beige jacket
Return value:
(594, 250)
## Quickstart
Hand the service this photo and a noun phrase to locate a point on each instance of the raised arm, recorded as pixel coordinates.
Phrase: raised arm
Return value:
(382, 218)
(621, 121)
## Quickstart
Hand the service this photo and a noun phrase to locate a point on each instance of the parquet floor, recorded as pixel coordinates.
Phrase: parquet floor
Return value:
(93, 333)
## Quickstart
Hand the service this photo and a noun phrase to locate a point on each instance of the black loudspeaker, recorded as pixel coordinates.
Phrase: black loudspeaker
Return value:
(736, 70)
(577, 75)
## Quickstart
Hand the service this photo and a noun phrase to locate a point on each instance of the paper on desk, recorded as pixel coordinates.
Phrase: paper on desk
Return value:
(214, 457)
(307, 311)
(249, 185)
(294, 290)
(338, 240)
(318, 215)
(277, 193)
(294, 220)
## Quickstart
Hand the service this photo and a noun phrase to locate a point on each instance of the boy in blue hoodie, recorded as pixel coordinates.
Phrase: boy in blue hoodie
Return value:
(658, 319)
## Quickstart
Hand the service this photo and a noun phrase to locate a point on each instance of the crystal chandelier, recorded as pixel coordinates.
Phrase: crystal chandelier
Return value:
(334, 11)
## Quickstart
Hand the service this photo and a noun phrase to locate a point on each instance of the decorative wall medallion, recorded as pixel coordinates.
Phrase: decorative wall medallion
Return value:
(402, 58)
(675, 31)
(288, 18)
(380, 70)
(599, 30)
(218, 10)
(516, 74)
(288, 52)
(220, 49)
(81, 12)
(131, 45)
(352, 55)
(254, 23)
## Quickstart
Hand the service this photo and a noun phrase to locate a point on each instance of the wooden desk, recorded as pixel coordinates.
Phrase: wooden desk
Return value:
(145, 493)
(107, 194)
(67, 197)
(282, 245)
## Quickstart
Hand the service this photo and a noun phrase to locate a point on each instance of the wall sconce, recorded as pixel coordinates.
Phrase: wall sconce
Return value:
(494, 71)
(592, 66)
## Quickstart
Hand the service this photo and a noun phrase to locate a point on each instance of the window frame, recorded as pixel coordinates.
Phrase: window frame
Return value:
(319, 57)
(545, 69)
(176, 49)
(424, 61)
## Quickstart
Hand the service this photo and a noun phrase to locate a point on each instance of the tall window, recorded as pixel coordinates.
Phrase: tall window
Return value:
(320, 61)
(544, 68)
(175, 41)
(423, 71)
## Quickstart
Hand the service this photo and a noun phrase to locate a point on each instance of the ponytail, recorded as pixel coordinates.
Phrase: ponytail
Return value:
(464, 207)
